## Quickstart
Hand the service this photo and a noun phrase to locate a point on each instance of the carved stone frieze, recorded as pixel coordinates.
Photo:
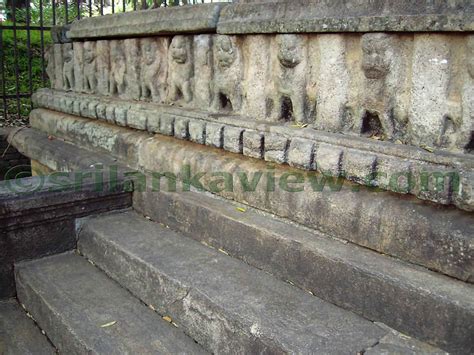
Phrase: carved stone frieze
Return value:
(406, 88)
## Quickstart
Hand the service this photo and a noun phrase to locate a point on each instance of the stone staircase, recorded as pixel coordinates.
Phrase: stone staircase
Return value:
(249, 244)
(95, 299)
(191, 271)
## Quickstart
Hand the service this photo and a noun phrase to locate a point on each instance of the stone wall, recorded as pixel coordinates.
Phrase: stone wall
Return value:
(10, 158)
(348, 88)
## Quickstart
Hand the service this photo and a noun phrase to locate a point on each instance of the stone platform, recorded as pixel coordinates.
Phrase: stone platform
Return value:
(302, 173)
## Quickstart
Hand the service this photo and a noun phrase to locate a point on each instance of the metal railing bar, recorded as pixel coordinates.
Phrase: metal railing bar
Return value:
(15, 55)
(2, 67)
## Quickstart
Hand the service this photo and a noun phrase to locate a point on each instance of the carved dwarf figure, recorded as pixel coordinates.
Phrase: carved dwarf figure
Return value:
(380, 112)
(118, 66)
(227, 90)
(68, 67)
(152, 81)
(90, 68)
(180, 69)
(290, 79)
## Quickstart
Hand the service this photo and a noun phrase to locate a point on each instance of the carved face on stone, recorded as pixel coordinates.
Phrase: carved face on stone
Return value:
(116, 53)
(225, 52)
(470, 56)
(149, 50)
(289, 50)
(376, 56)
(89, 52)
(67, 53)
(178, 49)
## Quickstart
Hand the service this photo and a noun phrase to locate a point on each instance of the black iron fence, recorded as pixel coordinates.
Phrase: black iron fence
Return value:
(24, 37)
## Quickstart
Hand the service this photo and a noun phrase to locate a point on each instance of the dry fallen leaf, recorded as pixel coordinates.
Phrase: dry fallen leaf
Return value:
(168, 319)
(223, 251)
(241, 209)
(429, 149)
(108, 324)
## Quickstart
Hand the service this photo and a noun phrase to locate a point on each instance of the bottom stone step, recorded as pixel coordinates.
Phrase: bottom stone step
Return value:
(82, 310)
(19, 334)
(223, 303)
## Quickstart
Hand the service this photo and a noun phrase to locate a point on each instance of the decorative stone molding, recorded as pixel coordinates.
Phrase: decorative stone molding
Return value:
(248, 17)
(390, 93)
(367, 162)
(169, 20)
(405, 88)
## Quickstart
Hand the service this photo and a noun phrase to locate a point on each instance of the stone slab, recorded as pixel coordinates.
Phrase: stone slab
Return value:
(346, 16)
(200, 18)
(73, 301)
(19, 334)
(226, 305)
(433, 236)
(378, 287)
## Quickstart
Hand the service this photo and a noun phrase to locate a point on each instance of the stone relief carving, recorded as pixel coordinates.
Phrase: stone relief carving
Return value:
(434, 117)
(90, 68)
(68, 67)
(381, 113)
(398, 87)
(58, 66)
(153, 70)
(132, 73)
(333, 84)
(288, 97)
(227, 83)
(203, 69)
(180, 69)
(103, 66)
(78, 54)
(49, 58)
(118, 67)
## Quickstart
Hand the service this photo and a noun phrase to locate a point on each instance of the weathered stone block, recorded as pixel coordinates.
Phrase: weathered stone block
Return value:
(214, 134)
(301, 153)
(346, 16)
(110, 114)
(92, 109)
(153, 122)
(276, 148)
(101, 111)
(181, 130)
(393, 174)
(328, 159)
(197, 131)
(434, 182)
(464, 194)
(359, 166)
(76, 107)
(253, 144)
(121, 115)
(167, 124)
(164, 20)
(233, 137)
(137, 119)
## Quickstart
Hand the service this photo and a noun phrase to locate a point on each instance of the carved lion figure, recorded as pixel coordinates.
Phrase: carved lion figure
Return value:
(90, 68)
(290, 79)
(227, 90)
(151, 62)
(118, 67)
(180, 69)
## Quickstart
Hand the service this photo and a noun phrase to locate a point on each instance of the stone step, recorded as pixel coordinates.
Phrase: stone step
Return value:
(19, 334)
(83, 311)
(401, 295)
(223, 303)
